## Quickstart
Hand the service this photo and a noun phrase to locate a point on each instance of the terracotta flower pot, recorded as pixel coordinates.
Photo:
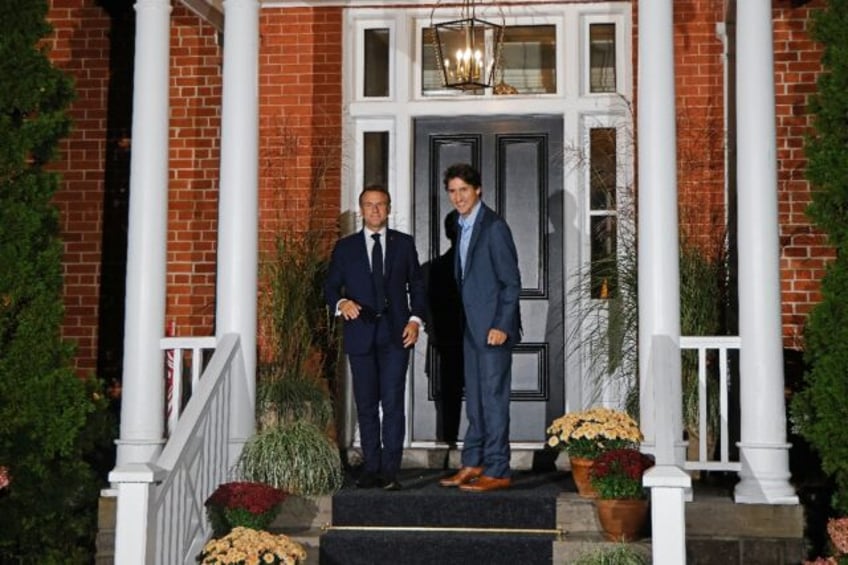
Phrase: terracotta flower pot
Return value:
(580, 473)
(622, 520)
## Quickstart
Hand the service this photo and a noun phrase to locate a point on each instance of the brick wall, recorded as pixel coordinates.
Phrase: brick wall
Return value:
(82, 51)
(700, 109)
(300, 93)
(804, 252)
(96, 49)
(700, 120)
(196, 83)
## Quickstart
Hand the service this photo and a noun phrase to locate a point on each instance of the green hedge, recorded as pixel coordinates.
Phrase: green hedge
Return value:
(820, 410)
(51, 420)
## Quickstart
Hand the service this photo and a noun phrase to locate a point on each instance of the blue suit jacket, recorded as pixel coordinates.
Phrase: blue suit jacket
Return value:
(349, 276)
(491, 283)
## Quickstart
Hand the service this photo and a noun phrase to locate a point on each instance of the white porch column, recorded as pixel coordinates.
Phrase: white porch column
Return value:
(238, 204)
(659, 286)
(764, 452)
(142, 409)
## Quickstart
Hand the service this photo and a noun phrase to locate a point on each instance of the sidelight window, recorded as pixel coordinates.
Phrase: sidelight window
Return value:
(376, 63)
(375, 158)
(603, 212)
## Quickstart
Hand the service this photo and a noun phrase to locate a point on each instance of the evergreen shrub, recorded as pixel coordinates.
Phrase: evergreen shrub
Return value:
(52, 421)
(820, 410)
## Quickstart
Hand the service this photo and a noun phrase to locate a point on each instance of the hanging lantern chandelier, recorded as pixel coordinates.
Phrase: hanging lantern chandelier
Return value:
(468, 50)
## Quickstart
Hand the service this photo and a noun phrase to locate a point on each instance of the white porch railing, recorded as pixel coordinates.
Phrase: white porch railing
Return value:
(161, 515)
(722, 345)
(183, 353)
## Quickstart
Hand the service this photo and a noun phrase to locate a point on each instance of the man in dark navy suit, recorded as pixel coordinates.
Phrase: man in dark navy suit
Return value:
(490, 283)
(376, 285)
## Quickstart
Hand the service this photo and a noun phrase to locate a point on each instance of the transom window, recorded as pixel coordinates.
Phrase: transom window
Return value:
(528, 62)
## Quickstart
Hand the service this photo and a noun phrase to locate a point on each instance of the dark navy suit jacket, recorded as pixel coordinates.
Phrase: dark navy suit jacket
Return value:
(491, 283)
(349, 276)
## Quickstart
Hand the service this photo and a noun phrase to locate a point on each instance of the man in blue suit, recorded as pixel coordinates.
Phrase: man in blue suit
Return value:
(490, 284)
(375, 283)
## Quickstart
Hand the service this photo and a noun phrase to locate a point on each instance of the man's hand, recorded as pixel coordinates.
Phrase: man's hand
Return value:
(349, 309)
(410, 334)
(496, 337)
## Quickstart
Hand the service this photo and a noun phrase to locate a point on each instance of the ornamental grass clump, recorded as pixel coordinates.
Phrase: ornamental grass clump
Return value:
(297, 457)
(243, 504)
(619, 554)
(246, 546)
(617, 474)
(589, 433)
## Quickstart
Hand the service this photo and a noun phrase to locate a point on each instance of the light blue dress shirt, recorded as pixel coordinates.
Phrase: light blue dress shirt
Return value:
(466, 225)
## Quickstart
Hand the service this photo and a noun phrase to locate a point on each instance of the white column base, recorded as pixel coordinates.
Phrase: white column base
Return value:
(137, 450)
(764, 478)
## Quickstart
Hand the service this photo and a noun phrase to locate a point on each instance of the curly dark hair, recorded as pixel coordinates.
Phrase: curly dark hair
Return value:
(464, 171)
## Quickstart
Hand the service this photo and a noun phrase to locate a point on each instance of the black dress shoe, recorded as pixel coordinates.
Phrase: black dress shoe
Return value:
(369, 480)
(392, 484)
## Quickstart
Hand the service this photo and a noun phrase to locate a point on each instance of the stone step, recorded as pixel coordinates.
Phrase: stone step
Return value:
(105, 539)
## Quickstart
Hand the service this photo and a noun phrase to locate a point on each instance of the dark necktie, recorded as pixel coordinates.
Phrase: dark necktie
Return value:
(377, 273)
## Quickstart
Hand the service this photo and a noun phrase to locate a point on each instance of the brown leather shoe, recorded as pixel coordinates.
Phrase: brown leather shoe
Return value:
(485, 484)
(465, 475)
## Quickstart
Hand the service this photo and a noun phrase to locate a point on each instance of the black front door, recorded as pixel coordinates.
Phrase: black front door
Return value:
(520, 160)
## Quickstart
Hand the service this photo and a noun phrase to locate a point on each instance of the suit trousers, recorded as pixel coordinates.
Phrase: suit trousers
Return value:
(488, 380)
(379, 382)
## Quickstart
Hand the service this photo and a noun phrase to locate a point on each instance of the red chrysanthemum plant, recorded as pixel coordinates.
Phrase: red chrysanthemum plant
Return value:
(617, 474)
(248, 504)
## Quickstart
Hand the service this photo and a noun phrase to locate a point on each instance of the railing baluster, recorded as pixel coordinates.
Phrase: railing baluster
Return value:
(704, 344)
(177, 390)
(196, 366)
(702, 403)
(724, 409)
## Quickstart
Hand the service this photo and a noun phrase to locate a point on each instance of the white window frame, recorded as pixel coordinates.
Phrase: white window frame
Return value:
(420, 23)
(611, 393)
(624, 197)
(623, 78)
(361, 26)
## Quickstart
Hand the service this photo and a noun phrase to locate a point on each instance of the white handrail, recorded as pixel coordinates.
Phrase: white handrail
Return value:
(161, 514)
(722, 344)
(196, 460)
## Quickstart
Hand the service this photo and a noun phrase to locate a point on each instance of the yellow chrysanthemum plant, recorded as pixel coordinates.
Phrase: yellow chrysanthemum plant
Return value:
(589, 433)
(244, 546)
